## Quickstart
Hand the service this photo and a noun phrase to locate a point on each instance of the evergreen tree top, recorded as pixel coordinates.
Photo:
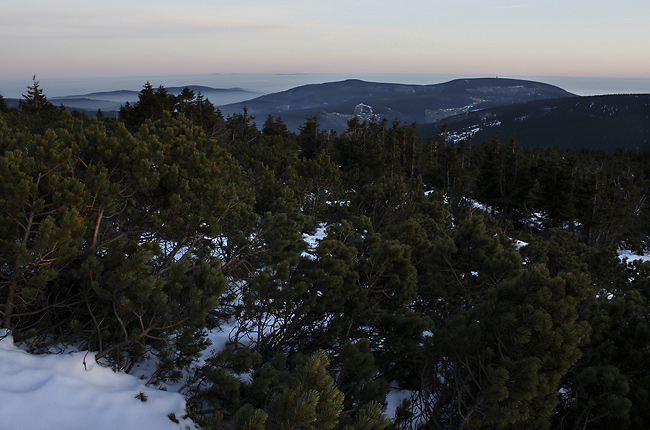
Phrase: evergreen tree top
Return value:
(35, 99)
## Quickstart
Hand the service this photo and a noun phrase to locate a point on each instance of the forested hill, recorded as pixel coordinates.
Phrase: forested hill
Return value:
(606, 122)
(336, 102)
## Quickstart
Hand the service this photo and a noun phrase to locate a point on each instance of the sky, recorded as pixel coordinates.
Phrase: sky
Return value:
(120, 38)
(601, 43)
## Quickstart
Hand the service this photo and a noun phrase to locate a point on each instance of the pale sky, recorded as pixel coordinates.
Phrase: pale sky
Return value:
(90, 38)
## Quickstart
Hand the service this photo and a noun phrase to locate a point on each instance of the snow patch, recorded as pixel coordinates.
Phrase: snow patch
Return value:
(628, 256)
(313, 239)
(71, 391)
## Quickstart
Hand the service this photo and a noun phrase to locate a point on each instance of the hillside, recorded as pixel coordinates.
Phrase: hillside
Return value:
(336, 102)
(607, 122)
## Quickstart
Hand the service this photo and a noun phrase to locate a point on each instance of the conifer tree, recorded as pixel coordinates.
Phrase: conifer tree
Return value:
(293, 393)
(107, 236)
(322, 184)
(35, 100)
(608, 386)
(358, 378)
(181, 189)
(504, 337)
(3, 104)
(312, 139)
(275, 127)
(41, 226)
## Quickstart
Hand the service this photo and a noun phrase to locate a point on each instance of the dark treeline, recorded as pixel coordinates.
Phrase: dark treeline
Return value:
(132, 237)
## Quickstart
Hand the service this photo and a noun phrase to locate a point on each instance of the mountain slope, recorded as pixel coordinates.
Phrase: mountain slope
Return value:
(607, 122)
(336, 102)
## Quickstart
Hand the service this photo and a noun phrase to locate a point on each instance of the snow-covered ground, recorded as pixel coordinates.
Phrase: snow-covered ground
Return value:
(71, 391)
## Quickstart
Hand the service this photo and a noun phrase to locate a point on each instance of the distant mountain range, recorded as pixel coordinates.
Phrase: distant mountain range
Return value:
(111, 101)
(536, 114)
(336, 102)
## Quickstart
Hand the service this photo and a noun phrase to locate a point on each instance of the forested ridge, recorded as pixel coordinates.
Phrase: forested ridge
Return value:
(481, 278)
